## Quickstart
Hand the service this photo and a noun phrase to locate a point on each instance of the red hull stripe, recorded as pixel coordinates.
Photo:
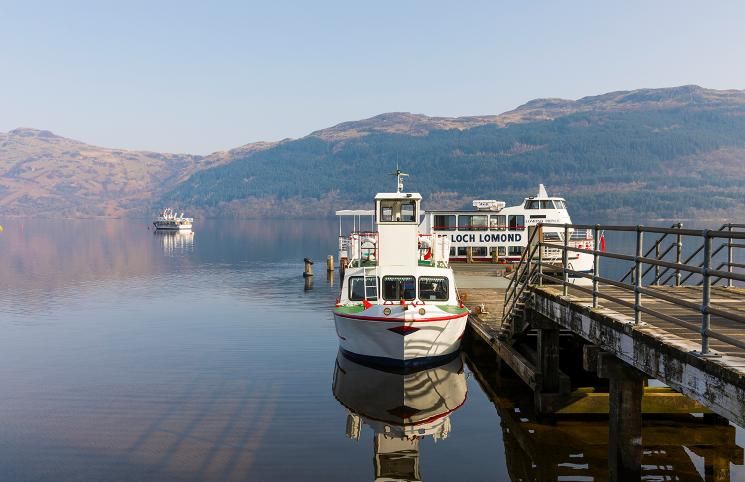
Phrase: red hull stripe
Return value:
(400, 320)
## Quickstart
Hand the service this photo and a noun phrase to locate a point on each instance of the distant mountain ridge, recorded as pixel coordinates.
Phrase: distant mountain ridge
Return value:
(42, 173)
(679, 151)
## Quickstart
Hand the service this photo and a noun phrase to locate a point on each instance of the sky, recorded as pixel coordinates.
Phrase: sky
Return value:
(198, 77)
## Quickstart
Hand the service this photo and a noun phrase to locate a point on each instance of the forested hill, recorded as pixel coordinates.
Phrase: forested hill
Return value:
(667, 153)
(677, 152)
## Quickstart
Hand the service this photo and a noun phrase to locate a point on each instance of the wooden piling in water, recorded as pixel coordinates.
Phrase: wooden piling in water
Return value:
(329, 263)
(308, 268)
(624, 418)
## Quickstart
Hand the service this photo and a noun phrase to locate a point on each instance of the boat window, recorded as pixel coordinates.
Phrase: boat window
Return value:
(579, 234)
(386, 213)
(393, 210)
(433, 288)
(445, 222)
(396, 288)
(517, 222)
(480, 251)
(357, 290)
(498, 222)
(407, 212)
(547, 204)
(502, 251)
(532, 204)
(472, 222)
(461, 251)
(452, 251)
(515, 251)
(551, 236)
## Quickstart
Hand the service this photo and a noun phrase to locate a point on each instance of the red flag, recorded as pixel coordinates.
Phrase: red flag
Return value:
(366, 304)
(602, 241)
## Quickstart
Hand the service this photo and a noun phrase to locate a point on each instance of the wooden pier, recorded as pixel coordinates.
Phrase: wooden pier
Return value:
(677, 317)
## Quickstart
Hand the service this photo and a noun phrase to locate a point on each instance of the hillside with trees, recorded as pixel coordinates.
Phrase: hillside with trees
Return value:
(651, 153)
(665, 153)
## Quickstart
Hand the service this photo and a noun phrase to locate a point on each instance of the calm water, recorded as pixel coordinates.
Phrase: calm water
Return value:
(130, 355)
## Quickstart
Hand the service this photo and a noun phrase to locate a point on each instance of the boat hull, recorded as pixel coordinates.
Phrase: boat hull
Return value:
(185, 227)
(403, 340)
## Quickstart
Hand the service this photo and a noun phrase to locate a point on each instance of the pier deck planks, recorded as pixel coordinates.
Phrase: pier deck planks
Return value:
(726, 299)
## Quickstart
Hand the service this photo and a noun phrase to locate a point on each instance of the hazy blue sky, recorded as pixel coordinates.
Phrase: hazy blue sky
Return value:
(202, 76)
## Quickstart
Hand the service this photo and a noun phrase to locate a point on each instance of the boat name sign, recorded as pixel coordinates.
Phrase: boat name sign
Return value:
(485, 238)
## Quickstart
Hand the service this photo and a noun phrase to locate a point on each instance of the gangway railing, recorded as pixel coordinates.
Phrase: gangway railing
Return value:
(706, 272)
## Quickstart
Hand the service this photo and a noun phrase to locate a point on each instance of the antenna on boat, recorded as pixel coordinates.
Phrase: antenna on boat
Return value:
(399, 179)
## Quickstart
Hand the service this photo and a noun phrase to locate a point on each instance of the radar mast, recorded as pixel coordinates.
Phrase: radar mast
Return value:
(399, 179)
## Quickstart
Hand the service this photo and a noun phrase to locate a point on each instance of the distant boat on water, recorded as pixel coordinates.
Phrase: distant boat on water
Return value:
(169, 220)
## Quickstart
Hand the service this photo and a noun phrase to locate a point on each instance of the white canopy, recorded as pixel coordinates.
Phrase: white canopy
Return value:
(356, 212)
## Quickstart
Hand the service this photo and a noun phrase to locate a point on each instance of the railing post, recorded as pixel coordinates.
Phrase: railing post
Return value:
(540, 254)
(595, 267)
(730, 257)
(679, 254)
(639, 275)
(657, 267)
(565, 260)
(706, 297)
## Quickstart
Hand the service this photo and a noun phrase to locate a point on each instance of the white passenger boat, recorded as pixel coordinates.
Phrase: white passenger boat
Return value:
(169, 220)
(398, 302)
(401, 409)
(497, 233)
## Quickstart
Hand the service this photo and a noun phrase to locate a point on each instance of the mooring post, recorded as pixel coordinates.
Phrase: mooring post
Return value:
(730, 257)
(330, 275)
(595, 267)
(639, 275)
(565, 260)
(308, 268)
(706, 296)
(330, 263)
(624, 419)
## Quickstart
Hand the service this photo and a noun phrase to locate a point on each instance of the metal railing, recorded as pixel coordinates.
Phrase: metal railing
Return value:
(704, 272)
(523, 276)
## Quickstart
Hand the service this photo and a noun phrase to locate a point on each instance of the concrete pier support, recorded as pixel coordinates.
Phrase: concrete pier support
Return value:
(624, 419)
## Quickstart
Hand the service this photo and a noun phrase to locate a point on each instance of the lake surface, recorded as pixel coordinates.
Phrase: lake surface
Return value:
(132, 355)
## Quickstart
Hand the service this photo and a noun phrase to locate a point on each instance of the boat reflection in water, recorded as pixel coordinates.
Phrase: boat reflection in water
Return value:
(176, 243)
(401, 408)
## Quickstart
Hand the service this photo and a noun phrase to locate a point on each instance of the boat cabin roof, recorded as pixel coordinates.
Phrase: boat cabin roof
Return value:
(398, 195)
(355, 212)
